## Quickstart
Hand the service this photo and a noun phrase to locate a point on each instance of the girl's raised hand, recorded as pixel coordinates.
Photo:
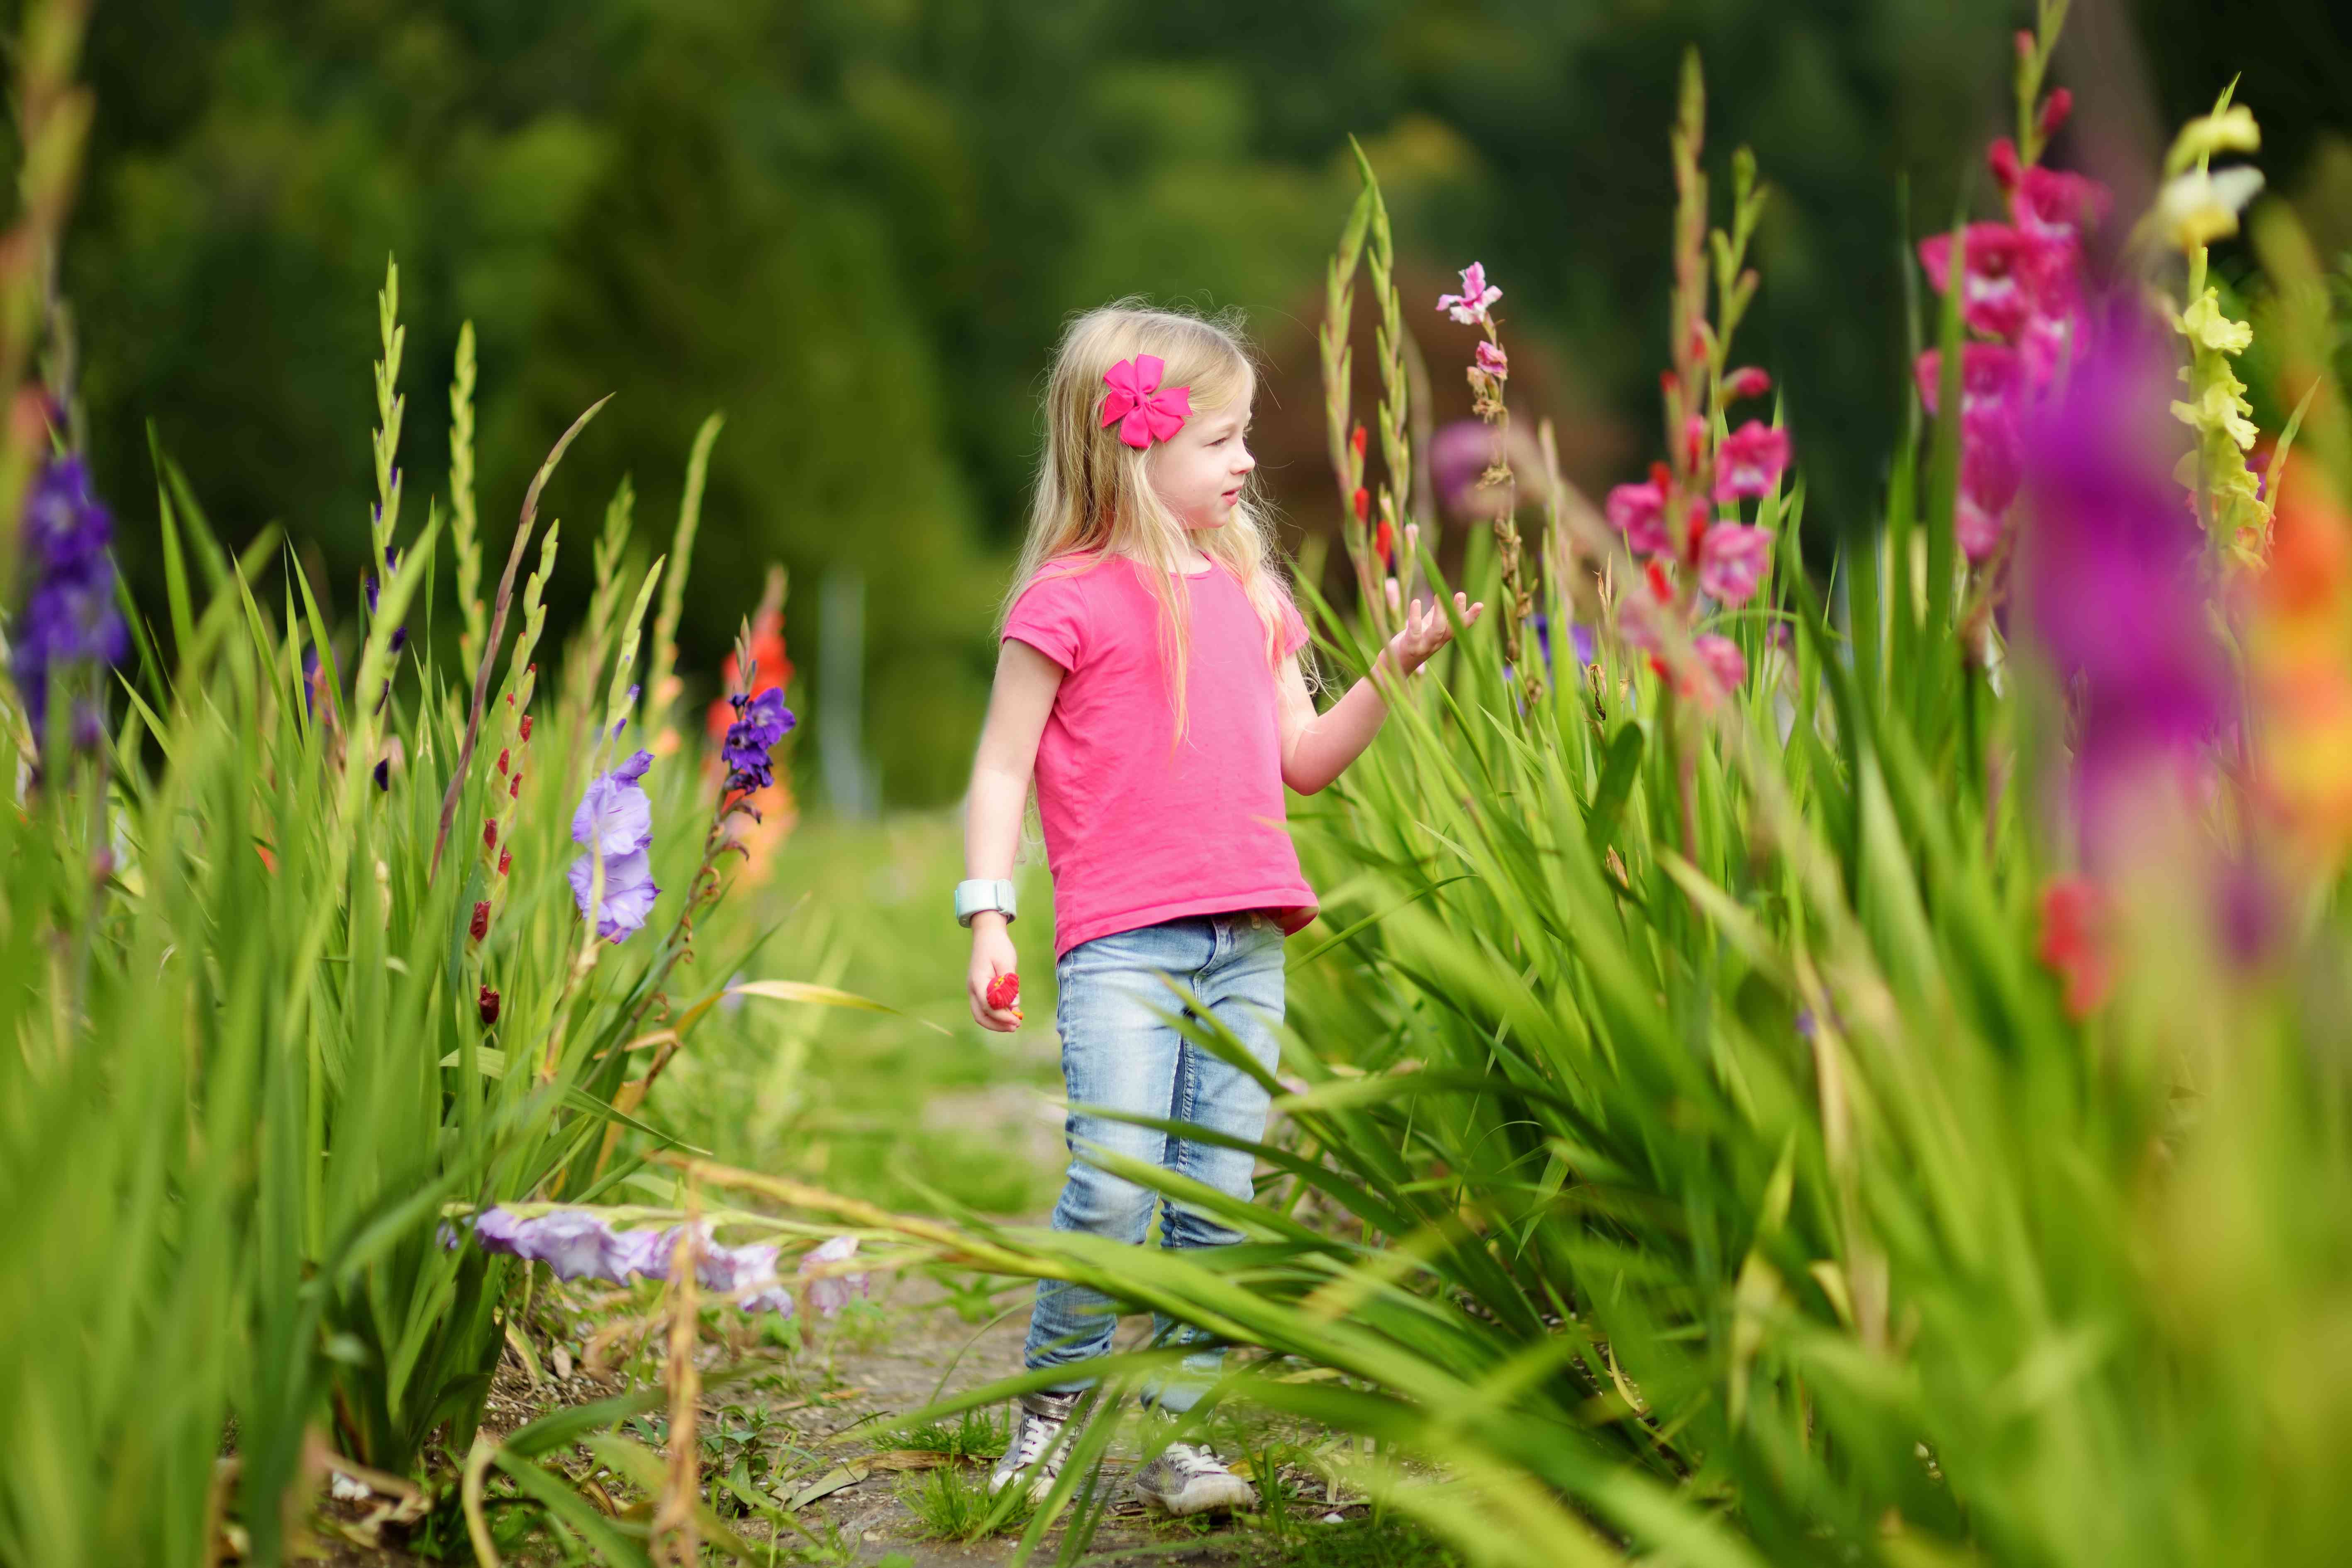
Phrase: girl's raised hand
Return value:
(1426, 629)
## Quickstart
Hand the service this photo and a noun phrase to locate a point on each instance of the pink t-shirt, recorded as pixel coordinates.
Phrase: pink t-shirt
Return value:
(1137, 833)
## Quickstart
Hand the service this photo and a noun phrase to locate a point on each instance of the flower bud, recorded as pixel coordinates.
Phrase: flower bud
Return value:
(1356, 442)
(502, 763)
(2024, 44)
(1383, 542)
(1749, 381)
(490, 835)
(2007, 172)
(526, 726)
(514, 788)
(2054, 109)
(487, 1004)
(1363, 504)
(480, 926)
(506, 861)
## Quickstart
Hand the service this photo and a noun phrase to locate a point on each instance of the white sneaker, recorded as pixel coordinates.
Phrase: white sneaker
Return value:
(1187, 1479)
(1036, 1446)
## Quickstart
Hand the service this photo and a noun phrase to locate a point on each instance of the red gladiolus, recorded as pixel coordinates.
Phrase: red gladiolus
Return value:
(490, 835)
(514, 789)
(1356, 442)
(506, 861)
(480, 926)
(1362, 502)
(487, 1004)
(526, 726)
(1004, 991)
(1669, 382)
(1383, 542)
(502, 763)
(2073, 945)
(1750, 380)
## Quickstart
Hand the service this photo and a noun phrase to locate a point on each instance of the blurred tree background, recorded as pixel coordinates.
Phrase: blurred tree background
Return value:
(857, 226)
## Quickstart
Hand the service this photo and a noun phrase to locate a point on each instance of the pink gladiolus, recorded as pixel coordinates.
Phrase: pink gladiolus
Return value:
(2052, 204)
(1469, 306)
(1723, 659)
(1694, 442)
(1988, 376)
(1989, 479)
(1638, 512)
(2002, 283)
(1748, 381)
(1731, 562)
(1493, 362)
(1749, 461)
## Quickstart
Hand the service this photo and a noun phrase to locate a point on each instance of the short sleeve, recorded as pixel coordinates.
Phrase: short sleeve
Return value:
(1293, 629)
(1050, 617)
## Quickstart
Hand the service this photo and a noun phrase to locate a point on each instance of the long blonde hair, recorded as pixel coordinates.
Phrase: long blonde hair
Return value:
(1094, 497)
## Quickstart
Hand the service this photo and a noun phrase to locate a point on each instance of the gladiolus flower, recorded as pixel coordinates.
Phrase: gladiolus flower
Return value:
(615, 820)
(2072, 944)
(2052, 204)
(1383, 542)
(69, 620)
(1362, 501)
(490, 835)
(2197, 207)
(486, 1006)
(1493, 362)
(506, 861)
(2230, 130)
(1470, 306)
(1750, 380)
(2001, 285)
(760, 723)
(1989, 479)
(1356, 442)
(1723, 659)
(829, 1293)
(1694, 442)
(502, 763)
(1988, 377)
(480, 926)
(526, 726)
(1749, 461)
(1731, 562)
(1638, 512)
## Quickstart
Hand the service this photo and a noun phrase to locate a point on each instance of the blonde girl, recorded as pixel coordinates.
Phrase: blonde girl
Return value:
(1149, 686)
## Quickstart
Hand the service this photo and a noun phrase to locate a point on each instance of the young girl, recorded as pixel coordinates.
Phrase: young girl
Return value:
(1149, 684)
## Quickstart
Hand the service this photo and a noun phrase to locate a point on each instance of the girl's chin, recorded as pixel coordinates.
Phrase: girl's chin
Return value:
(1217, 518)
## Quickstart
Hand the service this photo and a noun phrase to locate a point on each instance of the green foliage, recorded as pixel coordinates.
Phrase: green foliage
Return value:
(250, 1058)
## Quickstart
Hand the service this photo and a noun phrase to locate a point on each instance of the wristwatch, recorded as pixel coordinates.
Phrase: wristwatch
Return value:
(982, 893)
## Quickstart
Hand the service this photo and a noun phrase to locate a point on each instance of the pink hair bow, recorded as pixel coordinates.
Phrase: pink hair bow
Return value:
(1143, 412)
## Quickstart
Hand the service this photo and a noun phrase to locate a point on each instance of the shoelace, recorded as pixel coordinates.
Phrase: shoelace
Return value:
(1193, 1459)
(1036, 1431)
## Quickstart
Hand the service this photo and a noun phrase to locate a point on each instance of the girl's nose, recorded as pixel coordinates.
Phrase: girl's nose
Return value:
(1245, 461)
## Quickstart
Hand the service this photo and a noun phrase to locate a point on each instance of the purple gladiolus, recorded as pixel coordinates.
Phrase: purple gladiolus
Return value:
(615, 820)
(759, 722)
(2109, 576)
(830, 1292)
(70, 619)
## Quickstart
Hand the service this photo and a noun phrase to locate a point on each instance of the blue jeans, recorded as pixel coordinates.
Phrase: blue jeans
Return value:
(1119, 1051)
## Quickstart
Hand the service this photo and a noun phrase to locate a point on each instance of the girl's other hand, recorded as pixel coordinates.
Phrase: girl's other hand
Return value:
(1426, 628)
(992, 955)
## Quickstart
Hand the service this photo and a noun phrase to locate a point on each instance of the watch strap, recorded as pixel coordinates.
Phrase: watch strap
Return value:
(982, 893)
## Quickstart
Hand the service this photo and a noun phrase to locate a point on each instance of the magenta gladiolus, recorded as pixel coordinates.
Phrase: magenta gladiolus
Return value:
(1750, 380)
(1749, 461)
(1988, 376)
(1493, 362)
(2002, 283)
(1731, 562)
(1638, 512)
